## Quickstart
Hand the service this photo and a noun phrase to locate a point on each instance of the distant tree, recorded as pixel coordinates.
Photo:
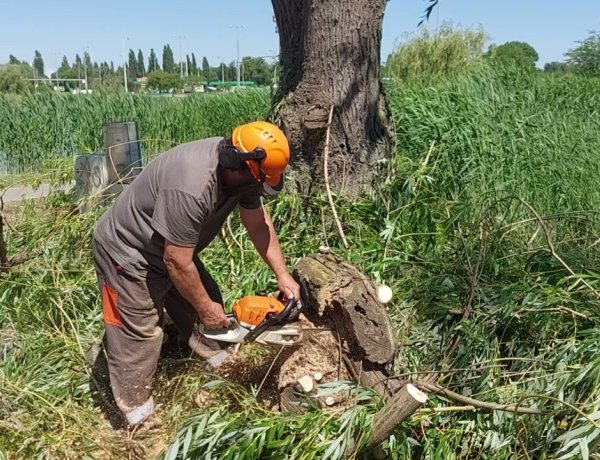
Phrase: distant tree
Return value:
(12, 78)
(168, 59)
(194, 69)
(429, 57)
(205, 69)
(112, 67)
(152, 61)
(556, 66)
(164, 81)
(13, 60)
(38, 64)
(585, 58)
(77, 65)
(188, 63)
(519, 54)
(256, 69)
(132, 69)
(64, 65)
(88, 66)
(231, 71)
(66, 71)
(141, 67)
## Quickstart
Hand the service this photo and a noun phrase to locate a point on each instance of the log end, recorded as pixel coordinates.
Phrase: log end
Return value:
(416, 394)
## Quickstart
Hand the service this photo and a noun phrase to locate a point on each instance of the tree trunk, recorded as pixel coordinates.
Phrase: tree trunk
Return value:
(329, 54)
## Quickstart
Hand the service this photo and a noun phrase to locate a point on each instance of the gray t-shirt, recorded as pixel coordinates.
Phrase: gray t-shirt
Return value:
(176, 197)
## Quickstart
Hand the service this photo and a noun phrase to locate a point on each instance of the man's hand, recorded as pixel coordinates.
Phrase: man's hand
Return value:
(289, 287)
(212, 315)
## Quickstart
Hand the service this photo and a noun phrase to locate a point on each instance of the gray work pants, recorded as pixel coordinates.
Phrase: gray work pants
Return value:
(132, 310)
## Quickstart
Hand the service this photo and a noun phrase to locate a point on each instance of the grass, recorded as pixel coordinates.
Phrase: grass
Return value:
(44, 127)
(492, 207)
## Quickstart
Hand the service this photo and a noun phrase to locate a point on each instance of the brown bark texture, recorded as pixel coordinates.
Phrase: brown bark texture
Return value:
(355, 339)
(329, 55)
(349, 336)
(397, 409)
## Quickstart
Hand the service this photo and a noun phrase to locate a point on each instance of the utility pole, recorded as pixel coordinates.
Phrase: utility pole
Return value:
(275, 57)
(56, 63)
(124, 65)
(180, 60)
(237, 42)
(85, 68)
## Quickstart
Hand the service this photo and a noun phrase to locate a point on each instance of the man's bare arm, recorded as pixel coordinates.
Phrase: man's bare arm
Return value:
(262, 233)
(180, 265)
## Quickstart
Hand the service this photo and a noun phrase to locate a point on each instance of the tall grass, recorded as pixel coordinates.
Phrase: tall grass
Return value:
(491, 209)
(39, 128)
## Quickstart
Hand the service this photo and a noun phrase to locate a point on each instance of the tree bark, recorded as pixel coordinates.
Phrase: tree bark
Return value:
(329, 55)
(400, 407)
(348, 335)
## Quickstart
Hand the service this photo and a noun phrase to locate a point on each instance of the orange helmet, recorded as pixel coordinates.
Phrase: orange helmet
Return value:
(272, 140)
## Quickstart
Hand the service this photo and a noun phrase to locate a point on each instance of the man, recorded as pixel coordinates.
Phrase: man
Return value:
(146, 245)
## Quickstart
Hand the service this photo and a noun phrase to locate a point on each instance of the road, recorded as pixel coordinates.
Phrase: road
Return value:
(19, 193)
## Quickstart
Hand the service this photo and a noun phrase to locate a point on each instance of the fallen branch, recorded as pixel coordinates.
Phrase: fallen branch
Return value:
(437, 389)
(552, 248)
(400, 406)
(326, 177)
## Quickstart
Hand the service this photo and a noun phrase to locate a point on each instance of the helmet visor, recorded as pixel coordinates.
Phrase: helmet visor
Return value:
(272, 190)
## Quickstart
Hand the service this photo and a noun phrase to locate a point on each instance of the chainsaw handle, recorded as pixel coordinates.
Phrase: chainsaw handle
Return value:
(272, 320)
(289, 307)
(233, 325)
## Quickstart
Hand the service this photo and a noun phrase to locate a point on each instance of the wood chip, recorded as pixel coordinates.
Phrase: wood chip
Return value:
(306, 382)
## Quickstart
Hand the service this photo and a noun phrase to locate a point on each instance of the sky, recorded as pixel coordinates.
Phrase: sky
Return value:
(58, 27)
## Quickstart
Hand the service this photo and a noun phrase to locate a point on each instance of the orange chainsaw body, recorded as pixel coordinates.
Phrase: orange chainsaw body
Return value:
(253, 309)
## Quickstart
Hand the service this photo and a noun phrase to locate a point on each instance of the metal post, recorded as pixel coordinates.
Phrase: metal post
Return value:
(56, 62)
(237, 41)
(124, 66)
(85, 69)
(180, 61)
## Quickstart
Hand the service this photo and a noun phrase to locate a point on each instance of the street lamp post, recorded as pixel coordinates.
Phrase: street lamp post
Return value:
(237, 43)
(56, 63)
(85, 68)
(275, 57)
(124, 65)
(181, 59)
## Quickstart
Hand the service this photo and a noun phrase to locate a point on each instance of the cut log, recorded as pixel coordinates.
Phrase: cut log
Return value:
(337, 291)
(401, 406)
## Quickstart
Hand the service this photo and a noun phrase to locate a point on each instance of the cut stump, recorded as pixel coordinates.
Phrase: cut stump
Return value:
(348, 336)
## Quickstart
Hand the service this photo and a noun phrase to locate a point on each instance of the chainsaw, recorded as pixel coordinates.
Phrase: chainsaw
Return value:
(260, 319)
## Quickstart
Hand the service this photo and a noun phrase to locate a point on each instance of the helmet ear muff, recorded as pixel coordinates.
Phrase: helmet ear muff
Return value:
(230, 156)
